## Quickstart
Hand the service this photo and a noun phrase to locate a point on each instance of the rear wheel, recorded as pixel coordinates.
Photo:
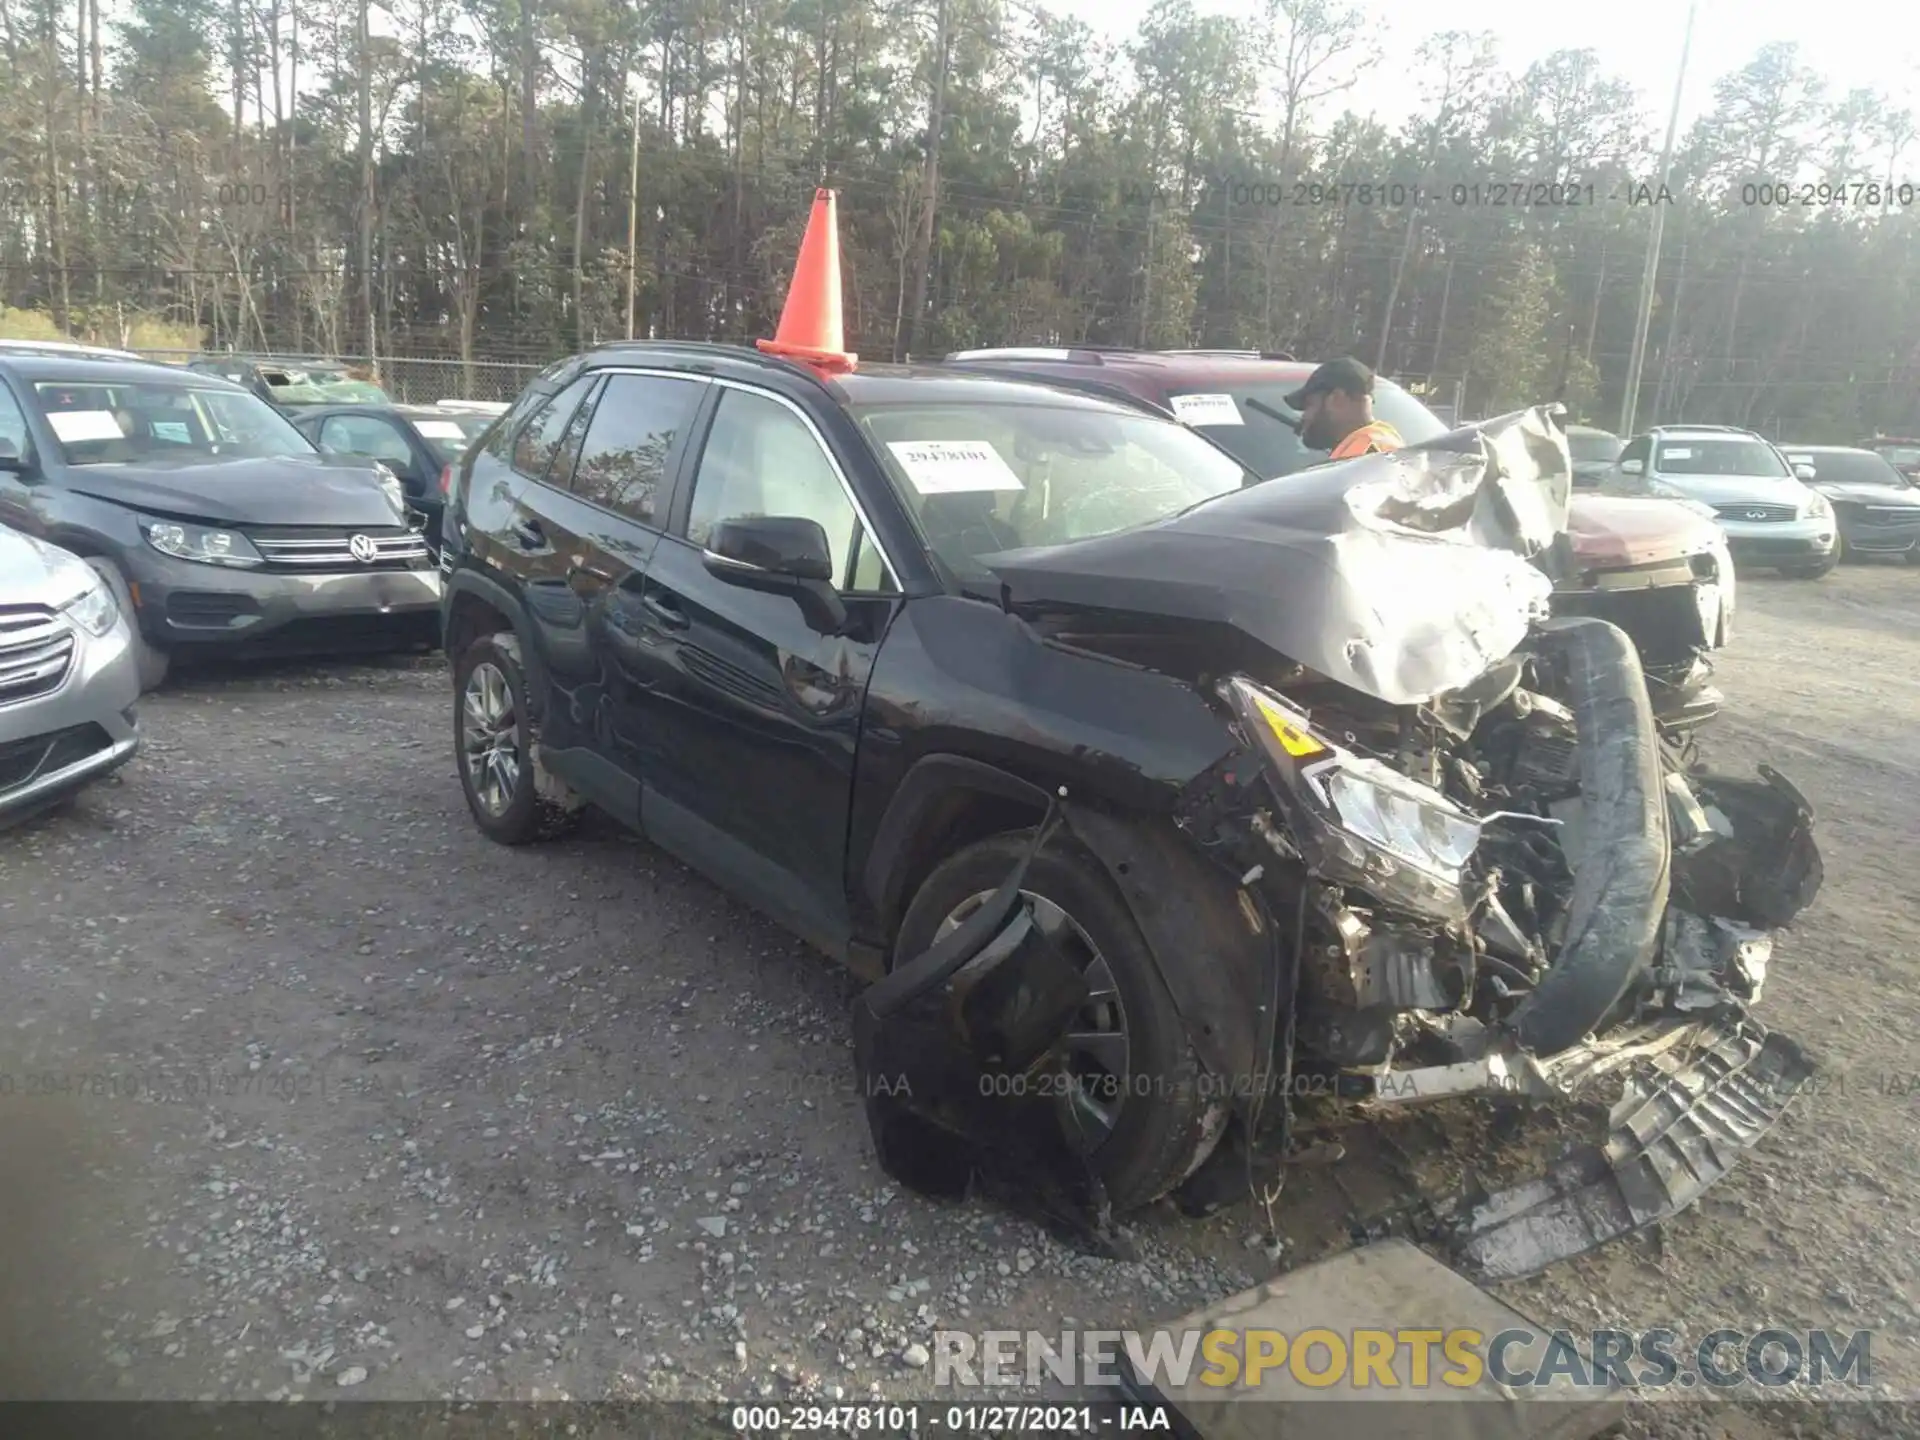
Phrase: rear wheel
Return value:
(1138, 1102)
(497, 746)
(148, 660)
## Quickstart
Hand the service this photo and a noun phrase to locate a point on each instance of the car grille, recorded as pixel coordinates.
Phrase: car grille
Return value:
(1757, 512)
(36, 647)
(23, 761)
(1889, 514)
(316, 549)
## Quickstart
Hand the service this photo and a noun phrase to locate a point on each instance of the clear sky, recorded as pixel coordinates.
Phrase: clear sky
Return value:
(1870, 43)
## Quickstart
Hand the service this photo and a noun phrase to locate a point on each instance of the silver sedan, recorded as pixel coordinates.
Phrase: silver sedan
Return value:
(68, 684)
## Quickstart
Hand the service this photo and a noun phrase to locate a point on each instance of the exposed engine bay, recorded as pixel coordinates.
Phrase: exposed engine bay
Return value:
(1482, 868)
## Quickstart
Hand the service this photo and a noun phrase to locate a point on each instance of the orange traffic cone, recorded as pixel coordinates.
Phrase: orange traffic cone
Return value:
(810, 323)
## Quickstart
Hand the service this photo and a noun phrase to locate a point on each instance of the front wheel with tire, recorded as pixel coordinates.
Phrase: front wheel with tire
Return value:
(1138, 1100)
(496, 744)
(149, 661)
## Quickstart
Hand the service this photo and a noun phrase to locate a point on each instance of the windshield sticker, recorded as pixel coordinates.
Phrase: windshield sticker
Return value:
(440, 430)
(1676, 452)
(1206, 410)
(80, 425)
(174, 432)
(954, 467)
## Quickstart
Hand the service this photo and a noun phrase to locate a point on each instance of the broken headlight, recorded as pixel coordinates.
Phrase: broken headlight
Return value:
(1356, 821)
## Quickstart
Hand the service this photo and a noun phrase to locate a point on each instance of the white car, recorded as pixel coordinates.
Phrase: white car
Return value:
(1770, 515)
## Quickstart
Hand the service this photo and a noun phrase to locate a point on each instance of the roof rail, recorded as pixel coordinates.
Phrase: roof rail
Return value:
(719, 350)
(1078, 354)
(1722, 429)
(1286, 355)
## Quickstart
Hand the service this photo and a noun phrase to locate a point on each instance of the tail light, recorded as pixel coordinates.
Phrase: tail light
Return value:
(446, 481)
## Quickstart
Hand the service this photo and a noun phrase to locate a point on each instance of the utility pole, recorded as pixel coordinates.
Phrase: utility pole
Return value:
(1636, 365)
(633, 211)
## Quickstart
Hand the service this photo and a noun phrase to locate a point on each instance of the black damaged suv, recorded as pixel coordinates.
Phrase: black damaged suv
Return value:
(848, 642)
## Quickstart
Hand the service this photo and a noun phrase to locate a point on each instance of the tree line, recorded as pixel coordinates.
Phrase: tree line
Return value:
(513, 179)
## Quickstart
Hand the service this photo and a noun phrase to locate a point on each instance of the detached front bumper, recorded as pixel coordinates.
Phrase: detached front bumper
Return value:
(1698, 1096)
(208, 607)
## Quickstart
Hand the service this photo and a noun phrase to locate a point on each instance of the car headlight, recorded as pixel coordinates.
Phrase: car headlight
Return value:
(93, 609)
(1356, 820)
(1819, 507)
(203, 543)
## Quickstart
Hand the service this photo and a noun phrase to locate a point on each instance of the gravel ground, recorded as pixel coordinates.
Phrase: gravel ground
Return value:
(305, 1085)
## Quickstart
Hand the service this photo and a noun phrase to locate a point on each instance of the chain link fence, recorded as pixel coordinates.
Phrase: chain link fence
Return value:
(409, 380)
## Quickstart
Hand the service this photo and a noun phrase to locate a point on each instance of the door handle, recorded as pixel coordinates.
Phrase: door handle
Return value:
(665, 611)
(529, 534)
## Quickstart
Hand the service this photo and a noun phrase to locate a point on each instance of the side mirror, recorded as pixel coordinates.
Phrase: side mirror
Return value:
(1633, 467)
(1803, 472)
(780, 555)
(10, 458)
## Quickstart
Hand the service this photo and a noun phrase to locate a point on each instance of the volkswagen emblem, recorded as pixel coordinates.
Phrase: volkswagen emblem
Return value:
(362, 548)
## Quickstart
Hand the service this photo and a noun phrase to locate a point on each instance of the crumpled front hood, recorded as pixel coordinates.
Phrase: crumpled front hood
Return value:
(1631, 530)
(288, 490)
(1403, 575)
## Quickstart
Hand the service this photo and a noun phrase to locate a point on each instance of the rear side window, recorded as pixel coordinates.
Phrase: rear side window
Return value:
(537, 441)
(623, 463)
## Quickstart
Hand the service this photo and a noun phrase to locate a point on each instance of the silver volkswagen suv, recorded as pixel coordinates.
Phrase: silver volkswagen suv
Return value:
(1770, 516)
(68, 683)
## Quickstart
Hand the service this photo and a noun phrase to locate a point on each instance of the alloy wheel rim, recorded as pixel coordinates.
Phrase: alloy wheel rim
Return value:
(1097, 1047)
(490, 740)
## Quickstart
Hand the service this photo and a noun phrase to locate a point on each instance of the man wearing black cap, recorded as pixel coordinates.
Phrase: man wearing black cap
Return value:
(1336, 412)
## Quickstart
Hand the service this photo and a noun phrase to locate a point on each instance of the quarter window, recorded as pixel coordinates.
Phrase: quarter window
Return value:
(761, 459)
(536, 442)
(635, 422)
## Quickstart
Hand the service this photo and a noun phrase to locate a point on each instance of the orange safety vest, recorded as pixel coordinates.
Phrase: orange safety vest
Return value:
(1370, 439)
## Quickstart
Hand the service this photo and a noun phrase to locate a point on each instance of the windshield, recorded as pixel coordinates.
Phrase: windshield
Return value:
(114, 423)
(1849, 467)
(981, 478)
(1745, 458)
(448, 436)
(1593, 447)
(1269, 446)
